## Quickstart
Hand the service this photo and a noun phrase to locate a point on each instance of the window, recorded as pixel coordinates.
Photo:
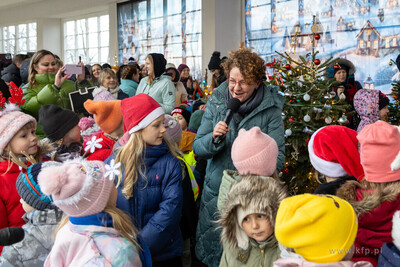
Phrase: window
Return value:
(88, 38)
(376, 44)
(394, 42)
(387, 43)
(169, 27)
(18, 39)
(361, 43)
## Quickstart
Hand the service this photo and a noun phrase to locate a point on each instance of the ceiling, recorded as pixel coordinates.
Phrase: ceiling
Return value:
(4, 4)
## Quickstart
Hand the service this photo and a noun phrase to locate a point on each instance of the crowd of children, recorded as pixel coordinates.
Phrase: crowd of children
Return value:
(129, 194)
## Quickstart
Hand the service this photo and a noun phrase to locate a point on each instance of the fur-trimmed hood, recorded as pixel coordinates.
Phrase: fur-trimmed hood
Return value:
(262, 194)
(364, 200)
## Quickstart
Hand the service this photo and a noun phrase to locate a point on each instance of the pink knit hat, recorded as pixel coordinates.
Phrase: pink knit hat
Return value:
(173, 129)
(380, 152)
(11, 121)
(254, 152)
(78, 187)
(333, 151)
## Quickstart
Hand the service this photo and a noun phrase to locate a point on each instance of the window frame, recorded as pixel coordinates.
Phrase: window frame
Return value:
(28, 37)
(86, 48)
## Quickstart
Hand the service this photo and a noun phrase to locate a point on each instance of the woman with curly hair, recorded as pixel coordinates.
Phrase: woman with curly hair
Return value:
(260, 105)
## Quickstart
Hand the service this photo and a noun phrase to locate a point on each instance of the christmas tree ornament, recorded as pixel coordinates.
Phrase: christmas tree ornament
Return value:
(336, 66)
(332, 94)
(306, 97)
(288, 132)
(390, 63)
(328, 120)
(342, 96)
(283, 115)
(317, 61)
(343, 120)
(317, 36)
(288, 67)
(291, 119)
(314, 28)
(307, 118)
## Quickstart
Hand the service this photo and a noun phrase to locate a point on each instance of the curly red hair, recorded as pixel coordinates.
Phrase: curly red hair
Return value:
(251, 65)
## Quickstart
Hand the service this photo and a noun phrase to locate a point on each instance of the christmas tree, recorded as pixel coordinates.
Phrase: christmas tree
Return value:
(394, 107)
(310, 104)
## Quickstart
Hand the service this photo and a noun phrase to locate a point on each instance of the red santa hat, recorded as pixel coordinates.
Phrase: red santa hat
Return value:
(139, 111)
(333, 151)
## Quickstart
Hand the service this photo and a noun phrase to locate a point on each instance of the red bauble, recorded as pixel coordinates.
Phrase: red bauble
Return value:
(317, 36)
(291, 119)
(317, 62)
(286, 170)
(336, 67)
(288, 67)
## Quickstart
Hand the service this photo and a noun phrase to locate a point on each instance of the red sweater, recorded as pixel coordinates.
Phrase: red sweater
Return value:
(11, 210)
(105, 151)
(374, 229)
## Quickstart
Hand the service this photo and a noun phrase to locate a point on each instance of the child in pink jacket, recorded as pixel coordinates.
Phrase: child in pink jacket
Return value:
(96, 233)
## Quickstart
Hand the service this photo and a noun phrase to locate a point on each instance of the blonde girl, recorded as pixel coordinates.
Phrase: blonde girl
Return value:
(149, 187)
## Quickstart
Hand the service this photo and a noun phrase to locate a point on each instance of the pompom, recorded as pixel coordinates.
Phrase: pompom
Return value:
(52, 179)
(85, 123)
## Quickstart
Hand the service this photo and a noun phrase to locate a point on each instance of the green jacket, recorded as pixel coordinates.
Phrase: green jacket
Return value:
(45, 93)
(267, 116)
(255, 256)
(162, 90)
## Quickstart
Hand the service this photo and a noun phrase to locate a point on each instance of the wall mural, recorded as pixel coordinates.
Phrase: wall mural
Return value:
(366, 32)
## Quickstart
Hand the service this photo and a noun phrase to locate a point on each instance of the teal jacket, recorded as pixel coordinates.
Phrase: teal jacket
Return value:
(45, 93)
(267, 116)
(162, 90)
(129, 87)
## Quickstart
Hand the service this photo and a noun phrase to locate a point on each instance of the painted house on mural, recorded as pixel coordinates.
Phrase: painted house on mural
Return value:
(375, 39)
(343, 25)
(301, 36)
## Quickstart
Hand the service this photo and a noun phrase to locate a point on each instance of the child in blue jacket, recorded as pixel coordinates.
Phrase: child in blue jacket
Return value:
(150, 182)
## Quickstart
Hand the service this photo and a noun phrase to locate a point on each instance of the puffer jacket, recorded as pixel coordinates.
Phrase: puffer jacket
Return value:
(84, 244)
(11, 74)
(162, 90)
(45, 93)
(256, 255)
(267, 116)
(366, 103)
(11, 210)
(390, 256)
(38, 241)
(156, 204)
(375, 211)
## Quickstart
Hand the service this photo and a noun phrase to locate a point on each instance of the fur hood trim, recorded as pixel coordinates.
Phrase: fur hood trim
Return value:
(257, 193)
(371, 198)
(46, 147)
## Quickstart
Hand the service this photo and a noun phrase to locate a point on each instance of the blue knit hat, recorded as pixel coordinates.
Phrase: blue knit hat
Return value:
(29, 190)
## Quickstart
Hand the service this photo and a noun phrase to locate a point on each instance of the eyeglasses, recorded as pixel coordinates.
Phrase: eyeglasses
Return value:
(233, 83)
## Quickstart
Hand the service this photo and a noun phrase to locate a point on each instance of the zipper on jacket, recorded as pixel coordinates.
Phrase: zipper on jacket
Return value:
(262, 258)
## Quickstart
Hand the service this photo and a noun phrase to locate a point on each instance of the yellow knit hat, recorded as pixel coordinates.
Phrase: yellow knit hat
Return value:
(320, 228)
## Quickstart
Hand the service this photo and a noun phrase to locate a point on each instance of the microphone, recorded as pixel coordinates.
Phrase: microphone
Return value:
(232, 107)
(11, 235)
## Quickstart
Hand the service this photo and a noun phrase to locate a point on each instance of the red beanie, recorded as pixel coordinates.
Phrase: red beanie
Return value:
(333, 151)
(139, 111)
